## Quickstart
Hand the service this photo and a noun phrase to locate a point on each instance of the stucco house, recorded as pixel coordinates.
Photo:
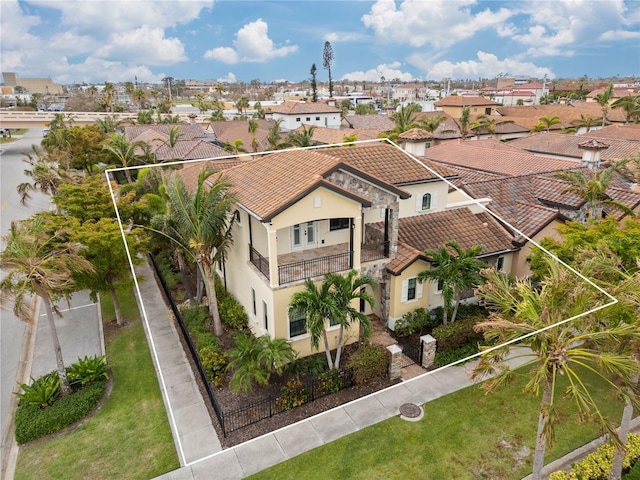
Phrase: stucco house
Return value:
(453, 105)
(294, 114)
(373, 207)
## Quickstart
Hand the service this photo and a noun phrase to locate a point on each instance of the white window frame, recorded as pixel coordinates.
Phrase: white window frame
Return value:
(405, 290)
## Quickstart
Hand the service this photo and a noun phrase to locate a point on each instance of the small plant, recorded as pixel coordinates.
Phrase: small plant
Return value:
(214, 364)
(329, 382)
(457, 334)
(294, 394)
(42, 392)
(87, 370)
(314, 365)
(418, 320)
(369, 362)
(196, 320)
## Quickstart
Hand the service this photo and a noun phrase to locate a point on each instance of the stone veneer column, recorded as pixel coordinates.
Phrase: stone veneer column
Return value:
(428, 350)
(395, 366)
(393, 238)
(385, 299)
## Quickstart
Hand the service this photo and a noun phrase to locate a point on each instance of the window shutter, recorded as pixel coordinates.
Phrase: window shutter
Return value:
(405, 288)
(419, 202)
(418, 289)
(434, 201)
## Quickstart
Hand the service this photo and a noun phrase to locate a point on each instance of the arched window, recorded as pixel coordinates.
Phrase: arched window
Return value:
(426, 201)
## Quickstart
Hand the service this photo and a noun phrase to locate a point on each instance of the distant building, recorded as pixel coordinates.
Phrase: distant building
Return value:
(44, 86)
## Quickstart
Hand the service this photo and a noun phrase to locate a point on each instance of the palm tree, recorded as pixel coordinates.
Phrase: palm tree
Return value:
(140, 96)
(487, 123)
(554, 348)
(318, 305)
(203, 220)
(219, 89)
(273, 135)
(455, 272)
(46, 175)
(110, 124)
(242, 104)
(123, 153)
(464, 123)
(431, 124)
(253, 128)
(403, 117)
(345, 290)
(302, 138)
(154, 94)
(108, 96)
(39, 263)
(585, 122)
(630, 105)
(548, 122)
(591, 186)
(603, 100)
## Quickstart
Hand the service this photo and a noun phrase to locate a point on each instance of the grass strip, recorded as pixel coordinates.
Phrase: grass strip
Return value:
(465, 435)
(130, 436)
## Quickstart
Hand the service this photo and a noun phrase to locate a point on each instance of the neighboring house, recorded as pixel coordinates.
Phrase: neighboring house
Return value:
(295, 114)
(193, 141)
(453, 105)
(329, 136)
(514, 98)
(382, 123)
(229, 131)
(529, 116)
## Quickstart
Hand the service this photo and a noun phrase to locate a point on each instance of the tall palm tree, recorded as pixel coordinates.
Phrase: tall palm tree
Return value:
(110, 124)
(46, 175)
(455, 272)
(140, 96)
(555, 348)
(318, 305)
(591, 186)
(464, 124)
(488, 124)
(203, 219)
(431, 124)
(345, 290)
(603, 100)
(39, 263)
(108, 96)
(404, 116)
(303, 138)
(242, 104)
(253, 128)
(273, 135)
(155, 94)
(219, 89)
(630, 105)
(122, 153)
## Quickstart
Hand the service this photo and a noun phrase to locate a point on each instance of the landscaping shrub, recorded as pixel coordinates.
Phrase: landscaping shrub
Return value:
(170, 276)
(294, 394)
(33, 422)
(233, 314)
(447, 357)
(87, 370)
(369, 362)
(42, 392)
(419, 320)
(313, 365)
(214, 364)
(456, 334)
(597, 465)
(634, 473)
(329, 382)
(196, 320)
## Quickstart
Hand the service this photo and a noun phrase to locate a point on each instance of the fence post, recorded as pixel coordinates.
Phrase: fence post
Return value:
(395, 365)
(428, 350)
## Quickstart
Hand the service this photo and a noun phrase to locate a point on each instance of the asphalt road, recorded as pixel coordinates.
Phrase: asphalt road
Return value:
(11, 329)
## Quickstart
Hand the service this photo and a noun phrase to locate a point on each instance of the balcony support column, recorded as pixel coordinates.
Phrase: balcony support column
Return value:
(273, 256)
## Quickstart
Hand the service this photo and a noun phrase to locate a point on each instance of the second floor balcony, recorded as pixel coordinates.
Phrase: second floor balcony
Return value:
(316, 262)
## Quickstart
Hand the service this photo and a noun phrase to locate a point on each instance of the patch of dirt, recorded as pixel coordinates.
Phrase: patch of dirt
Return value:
(111, 328)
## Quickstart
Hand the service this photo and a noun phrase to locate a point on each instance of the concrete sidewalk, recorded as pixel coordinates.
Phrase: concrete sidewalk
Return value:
(193, 434)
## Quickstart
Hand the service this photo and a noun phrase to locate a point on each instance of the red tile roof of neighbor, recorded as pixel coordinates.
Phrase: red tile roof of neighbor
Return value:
(330, 136)
(617, 132)
(186, 131)
(293, 108)
(382, 123)
(429, 231)
(567, 145)
(416, 135)
(189, 150)
(494, 157)
(566, 112)
(460, 101)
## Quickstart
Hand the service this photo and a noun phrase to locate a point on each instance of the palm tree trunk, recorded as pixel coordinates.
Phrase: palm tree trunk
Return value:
(199, 285)
(541, 438)
(212, 300)
(182, 266)
(116, 304)
(326, 350)
(455, 308)
(623, 432)
(444, 315)
(62, 372)
(127, 174)
(339, 348)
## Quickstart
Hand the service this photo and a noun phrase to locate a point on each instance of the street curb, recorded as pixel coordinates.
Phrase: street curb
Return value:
(10, 449)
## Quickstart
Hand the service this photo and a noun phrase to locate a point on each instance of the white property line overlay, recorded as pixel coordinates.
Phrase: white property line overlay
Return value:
(261, 154)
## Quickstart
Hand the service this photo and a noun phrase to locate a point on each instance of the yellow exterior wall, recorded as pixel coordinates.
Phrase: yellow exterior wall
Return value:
(520, 267)
(410, 207)
(397, 308)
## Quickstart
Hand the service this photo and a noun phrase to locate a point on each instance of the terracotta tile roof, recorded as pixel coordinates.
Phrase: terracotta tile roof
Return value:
(190, 171)
(617, 132)
(460, 101)
(240, 130)
(329, 136)
(294, 108)
(469, 175)
(429, 231)
(382, 123)
(566, 112)
(567, 145)
(187, 131)
(190, 150)
(416, 135)
(389, 163)
(494, 157)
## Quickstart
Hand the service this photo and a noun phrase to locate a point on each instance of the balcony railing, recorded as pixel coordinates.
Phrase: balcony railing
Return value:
(314, 267)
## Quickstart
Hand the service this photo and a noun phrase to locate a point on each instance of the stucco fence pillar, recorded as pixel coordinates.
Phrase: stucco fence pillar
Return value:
(428, 350)
(395, 364)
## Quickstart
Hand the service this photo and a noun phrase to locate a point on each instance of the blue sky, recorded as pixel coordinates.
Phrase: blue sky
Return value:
(109, 40)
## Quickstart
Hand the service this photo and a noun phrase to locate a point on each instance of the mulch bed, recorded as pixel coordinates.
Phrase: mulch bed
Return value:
(229, 401)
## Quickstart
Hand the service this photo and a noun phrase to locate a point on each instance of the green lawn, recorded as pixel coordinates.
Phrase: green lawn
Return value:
(130, 437)
(465, 435)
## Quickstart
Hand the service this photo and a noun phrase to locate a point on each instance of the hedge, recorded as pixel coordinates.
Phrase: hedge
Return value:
(33, 422)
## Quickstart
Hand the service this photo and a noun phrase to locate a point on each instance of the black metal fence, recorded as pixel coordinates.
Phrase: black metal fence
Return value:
(312, 268)
(411, 355)
(296, 393)
(374, 251)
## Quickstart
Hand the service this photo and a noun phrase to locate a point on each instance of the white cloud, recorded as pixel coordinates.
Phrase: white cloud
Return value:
(252, 44)
(373, 75)
(143, 45)
(230, 78)
(487, 65)
(619, 35)
(99, 70)
(440, 23)
(14, 34)
(335, 37)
